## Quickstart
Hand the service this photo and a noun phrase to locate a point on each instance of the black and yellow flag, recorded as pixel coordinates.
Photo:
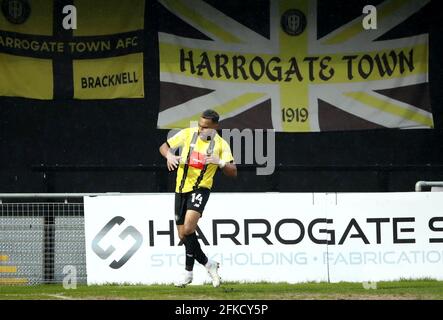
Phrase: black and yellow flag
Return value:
(101, 59)
(276, 64)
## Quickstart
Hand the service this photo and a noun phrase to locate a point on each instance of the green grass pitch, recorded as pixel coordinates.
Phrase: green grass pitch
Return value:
(425, 289)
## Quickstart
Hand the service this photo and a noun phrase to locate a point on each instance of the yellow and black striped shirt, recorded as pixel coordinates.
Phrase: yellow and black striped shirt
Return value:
(195, 172)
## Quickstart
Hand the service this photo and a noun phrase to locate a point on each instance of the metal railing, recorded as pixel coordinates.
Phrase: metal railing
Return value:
(420, 185)
(40, 234)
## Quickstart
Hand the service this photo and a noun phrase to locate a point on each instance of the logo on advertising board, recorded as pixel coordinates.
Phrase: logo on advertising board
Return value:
(129, 231)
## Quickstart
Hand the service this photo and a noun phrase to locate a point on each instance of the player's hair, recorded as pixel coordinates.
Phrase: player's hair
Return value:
(211, 114)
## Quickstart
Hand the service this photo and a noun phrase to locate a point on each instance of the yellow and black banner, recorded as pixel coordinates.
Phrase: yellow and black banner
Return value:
(101, 59)
(291, 68)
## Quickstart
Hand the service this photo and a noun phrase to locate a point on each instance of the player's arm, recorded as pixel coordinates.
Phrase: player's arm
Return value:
(172, 160)
(229, 169)
(224, 160)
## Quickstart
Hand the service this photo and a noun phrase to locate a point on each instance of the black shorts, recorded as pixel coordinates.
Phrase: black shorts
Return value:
(194, 200)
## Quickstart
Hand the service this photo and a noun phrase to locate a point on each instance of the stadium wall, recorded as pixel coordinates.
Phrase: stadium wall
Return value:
(275, 237)
(103, 146)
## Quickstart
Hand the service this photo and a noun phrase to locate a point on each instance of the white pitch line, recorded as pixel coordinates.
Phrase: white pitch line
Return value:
(58, 296)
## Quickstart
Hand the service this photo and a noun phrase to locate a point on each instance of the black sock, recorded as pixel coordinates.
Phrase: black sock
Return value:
(189, 263)
(192, 244)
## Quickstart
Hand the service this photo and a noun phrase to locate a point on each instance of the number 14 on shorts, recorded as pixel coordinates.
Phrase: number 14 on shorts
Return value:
(196, 199)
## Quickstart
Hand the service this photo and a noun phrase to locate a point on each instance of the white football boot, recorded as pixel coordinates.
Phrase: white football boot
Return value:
(212, 267)
(185, 280)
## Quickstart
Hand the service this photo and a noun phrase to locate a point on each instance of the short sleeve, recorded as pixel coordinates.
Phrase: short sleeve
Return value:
(178, 139)
(225, 152)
